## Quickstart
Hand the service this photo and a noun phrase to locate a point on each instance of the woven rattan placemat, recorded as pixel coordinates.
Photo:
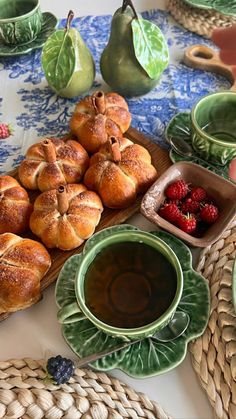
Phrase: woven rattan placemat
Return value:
(214, 353)
(198, 20)
(88, 395)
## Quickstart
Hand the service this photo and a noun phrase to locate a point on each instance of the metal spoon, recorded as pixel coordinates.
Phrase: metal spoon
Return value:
(181, 147)
(175, 328)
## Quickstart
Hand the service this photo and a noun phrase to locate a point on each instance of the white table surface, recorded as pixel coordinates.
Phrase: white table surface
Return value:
(36, 333)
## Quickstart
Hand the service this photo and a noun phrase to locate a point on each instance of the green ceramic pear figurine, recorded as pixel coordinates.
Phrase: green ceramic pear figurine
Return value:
(67, 62)
(136, 53)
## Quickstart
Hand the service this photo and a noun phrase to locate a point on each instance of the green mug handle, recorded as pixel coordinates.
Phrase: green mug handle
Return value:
(70, 313)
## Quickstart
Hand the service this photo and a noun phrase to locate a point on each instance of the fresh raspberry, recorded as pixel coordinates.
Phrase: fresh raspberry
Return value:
(187, 223)
(177, 190)
(5, 131)
(191, 206)
(209, 213)
(173, 201)
(169, 212)
(198, 194)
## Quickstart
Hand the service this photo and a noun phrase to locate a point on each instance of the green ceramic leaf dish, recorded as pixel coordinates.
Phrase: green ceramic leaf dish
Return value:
(59, 59)
(226, 7)
(180, 127)
(148, 357)
(150, 47)
(48, 26)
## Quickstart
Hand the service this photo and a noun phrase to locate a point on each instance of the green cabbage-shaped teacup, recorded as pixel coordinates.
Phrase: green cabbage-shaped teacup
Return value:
(20, 21)
(114, 292)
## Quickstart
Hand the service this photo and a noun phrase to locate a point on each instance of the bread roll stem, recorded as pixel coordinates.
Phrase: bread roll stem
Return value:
(62, 199)
(99, 102)
(49, 151)
(115, 149)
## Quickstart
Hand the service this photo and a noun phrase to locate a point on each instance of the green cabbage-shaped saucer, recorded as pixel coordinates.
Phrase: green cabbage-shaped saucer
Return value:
(148, 357)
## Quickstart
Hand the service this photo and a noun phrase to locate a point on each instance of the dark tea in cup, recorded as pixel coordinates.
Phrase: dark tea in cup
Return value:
(129, 285)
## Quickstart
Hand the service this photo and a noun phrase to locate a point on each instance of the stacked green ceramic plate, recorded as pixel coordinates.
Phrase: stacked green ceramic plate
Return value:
(202, 16)
(226, 7)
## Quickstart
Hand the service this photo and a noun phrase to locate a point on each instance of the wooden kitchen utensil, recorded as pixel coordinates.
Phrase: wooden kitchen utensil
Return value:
(205, 58)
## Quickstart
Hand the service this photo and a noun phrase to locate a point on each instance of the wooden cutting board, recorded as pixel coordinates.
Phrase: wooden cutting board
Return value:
(160, 160)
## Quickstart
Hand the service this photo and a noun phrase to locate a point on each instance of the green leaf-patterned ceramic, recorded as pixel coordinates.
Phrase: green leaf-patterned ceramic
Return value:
(147, 357)
(150, 47)
(67, 62)
(48, 26)
(180, 127)
(227, 7)
(59, 59)
(20, 21)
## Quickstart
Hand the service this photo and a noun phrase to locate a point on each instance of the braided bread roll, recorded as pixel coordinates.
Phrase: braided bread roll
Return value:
(23, 263)
(64, 218)
(99, 116)
(119, 171)
(51, 163)
(15, 206)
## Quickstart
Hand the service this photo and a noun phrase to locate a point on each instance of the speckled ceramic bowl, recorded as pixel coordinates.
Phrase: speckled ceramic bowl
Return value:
(213, 126)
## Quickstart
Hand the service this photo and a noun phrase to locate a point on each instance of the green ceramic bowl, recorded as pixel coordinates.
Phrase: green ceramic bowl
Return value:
(20, 21)
(213, 125)
(75, 312)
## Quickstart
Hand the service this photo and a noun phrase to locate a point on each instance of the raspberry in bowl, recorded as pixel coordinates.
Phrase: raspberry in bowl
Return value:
(192, 203)
(189, 207)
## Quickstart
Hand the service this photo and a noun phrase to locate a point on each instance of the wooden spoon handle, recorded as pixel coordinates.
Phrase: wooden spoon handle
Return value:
(205, 58)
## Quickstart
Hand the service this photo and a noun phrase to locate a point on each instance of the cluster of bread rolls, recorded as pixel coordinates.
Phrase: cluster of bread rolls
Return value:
(66, 213)
(62, 220)
(23, 262)
(118, 169)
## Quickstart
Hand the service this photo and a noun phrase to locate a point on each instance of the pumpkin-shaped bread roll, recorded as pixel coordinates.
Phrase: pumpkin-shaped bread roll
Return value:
(15, 206)
(65, 217)
(119, 171)
(99, 116)
(23, 264)
(51, 163)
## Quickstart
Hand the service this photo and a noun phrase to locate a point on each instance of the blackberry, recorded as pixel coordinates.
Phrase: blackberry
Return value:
(60, 369)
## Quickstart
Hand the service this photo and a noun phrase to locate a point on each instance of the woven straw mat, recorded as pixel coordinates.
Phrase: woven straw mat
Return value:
(94, 395)
(214, 353)
(88, 395)
(198, 20)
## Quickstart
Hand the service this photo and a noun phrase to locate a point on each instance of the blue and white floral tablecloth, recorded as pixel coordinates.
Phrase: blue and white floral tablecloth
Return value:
(34, 111)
